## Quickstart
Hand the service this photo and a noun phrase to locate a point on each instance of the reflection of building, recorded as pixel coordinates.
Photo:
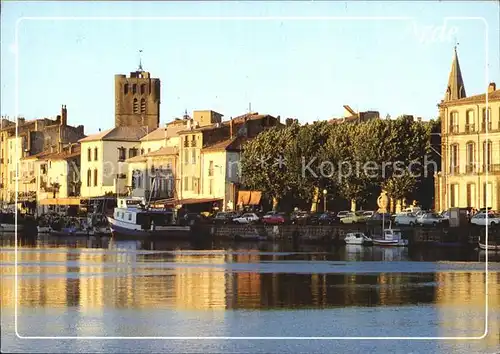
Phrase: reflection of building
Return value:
(248, 284)
(470, 146)
(92, 290)
(199, 287)
(459, 293)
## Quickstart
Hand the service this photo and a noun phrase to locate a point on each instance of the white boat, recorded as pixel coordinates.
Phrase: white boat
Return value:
(132, 218)
(391, 237)
(357, 238)
(43, 229)
(489, 247)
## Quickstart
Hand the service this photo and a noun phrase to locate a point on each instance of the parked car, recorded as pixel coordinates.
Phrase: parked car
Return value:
(224, 217)
(433, 219)
(480, 219)
(353, 218)
(343, 214)
(381, 216)
(192, 218)
(368, 213)
(409, 219)
(246, 218)
(328, 219)
(274, 218)
(299, 217)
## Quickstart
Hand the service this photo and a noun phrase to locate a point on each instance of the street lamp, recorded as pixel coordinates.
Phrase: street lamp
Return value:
(324, 198)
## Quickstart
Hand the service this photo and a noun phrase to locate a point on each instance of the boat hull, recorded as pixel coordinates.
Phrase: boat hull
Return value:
(393, 243)
(489, 247)
(132, 230)
(10, 227)
(43, 229)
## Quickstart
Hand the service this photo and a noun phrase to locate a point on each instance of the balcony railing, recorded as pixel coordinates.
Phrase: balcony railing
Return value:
(453, 129)
(193, 143)
(470, 168)
(470, 128)
(454, 169)
(186, 143)
(491, 168)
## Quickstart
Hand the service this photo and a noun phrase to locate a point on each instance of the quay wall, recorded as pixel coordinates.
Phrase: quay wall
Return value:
(336, 233)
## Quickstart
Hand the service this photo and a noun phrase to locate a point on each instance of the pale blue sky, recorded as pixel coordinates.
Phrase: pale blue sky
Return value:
(303, 69)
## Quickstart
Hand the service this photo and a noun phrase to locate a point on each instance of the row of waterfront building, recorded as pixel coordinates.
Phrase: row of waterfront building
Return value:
(194, 159)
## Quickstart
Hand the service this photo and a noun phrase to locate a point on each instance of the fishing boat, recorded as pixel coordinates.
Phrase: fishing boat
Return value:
(357, 238)
(72, 226)
(391, 237)
(132, 217)
(489, 247)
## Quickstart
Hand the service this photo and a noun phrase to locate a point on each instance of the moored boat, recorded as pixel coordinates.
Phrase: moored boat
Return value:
(132, 218)
(391, 237)
(489, 247)
(8, 223)
(357, 238)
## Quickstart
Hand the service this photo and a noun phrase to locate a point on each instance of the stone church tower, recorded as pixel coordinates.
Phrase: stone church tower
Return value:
(137, 100)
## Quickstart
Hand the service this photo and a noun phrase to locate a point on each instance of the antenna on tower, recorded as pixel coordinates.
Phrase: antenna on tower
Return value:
(456, 43)
(140, 60)
(249, 107)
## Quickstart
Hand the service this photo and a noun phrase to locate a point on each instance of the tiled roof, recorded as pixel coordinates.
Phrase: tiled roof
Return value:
(117, 134)
(48, 155)
(164, 151)
(164, 133)
(492, 96)
(234, 144)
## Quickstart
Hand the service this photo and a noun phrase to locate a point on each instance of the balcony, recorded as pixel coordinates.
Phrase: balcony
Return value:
(492, 168)
(454, 170)
(193, 143)
(470, 128)
(470, 168)
(186, 143)
(453, 129)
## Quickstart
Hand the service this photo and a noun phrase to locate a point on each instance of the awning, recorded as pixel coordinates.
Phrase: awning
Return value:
(197, 201)
(249, 197)
(60, 201)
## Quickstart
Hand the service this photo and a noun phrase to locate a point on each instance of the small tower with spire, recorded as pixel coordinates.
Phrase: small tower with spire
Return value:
(456, 88)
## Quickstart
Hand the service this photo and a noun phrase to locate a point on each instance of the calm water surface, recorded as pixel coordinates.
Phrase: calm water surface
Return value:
(76, 287)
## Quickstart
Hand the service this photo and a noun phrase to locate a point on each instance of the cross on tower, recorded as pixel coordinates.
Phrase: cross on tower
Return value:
(140, 60)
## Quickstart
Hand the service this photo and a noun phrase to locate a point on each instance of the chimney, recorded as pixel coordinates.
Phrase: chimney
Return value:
(492, 87)
(64, 115)
(20, 120)
(231, 127)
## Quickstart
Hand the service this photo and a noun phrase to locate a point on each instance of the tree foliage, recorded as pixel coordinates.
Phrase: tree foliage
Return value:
(353, 161)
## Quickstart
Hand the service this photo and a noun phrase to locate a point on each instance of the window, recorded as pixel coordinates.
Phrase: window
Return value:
(143, 89)
(125, 89)
(470, 156)
(132, 152)
(142, 151)
(89, 154)
(122, 152)
(186, 183)
(134, 88)
(95, 178)
(469, 122)
(193, 184)
(149, 150)
(136, 106)
(89, 177)
(193, 156)
(95, 154)
(454, 159)
(454, 122)
(486, 155)
(193, 141)
(471, 191)
(143, 105)
(453, 195)
(211, 187)
(210, 169)
(186, 141)
(186, 157)
(487, 195)
(486, 123)
(129, 216)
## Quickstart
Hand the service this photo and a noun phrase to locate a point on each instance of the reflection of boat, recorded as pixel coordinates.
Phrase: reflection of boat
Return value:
(490, 247)
(131, 218)
(391, 237)
(43, 229)
(357, 238)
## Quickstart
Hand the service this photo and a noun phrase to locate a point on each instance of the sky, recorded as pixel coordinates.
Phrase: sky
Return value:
(283, 58)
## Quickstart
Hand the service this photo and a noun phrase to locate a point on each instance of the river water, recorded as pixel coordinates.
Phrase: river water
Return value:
(76, 288)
